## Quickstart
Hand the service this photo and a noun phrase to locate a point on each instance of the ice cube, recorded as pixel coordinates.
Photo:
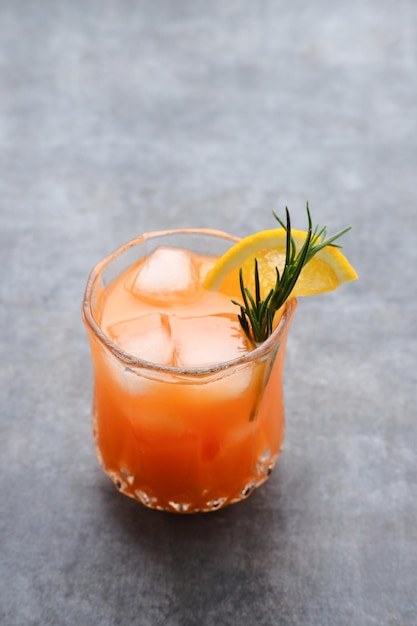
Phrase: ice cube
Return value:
(147, 337)
(206, 340)
(168, 275)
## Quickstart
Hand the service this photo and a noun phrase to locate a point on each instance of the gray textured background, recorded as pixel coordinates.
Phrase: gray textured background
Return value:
(118, 117)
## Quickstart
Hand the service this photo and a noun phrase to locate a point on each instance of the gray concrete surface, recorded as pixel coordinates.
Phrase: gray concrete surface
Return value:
(118, 117)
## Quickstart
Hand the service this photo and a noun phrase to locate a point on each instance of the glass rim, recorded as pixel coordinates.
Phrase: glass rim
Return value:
(134, 362)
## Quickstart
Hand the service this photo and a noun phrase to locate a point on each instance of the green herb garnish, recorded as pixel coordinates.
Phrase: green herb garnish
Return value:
(257, 315)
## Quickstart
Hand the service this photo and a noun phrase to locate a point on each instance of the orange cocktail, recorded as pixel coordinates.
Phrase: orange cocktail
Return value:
(187, 416)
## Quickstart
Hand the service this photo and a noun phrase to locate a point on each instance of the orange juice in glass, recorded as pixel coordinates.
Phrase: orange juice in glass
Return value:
(187, 415)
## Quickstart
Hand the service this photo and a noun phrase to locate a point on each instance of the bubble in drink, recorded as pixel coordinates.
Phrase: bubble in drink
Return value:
(205, 340)
(147, 337)
(168, 275)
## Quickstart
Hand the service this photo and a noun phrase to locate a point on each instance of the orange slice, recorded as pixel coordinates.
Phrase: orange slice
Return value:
(326, 271)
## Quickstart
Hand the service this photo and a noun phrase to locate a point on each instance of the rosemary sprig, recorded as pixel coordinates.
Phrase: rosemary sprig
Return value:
(257, 315)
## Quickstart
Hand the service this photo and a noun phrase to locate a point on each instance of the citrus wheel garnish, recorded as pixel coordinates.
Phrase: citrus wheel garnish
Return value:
(326, 271)
(270, 266)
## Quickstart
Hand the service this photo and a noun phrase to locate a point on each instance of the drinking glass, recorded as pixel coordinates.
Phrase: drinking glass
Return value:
(183, 439)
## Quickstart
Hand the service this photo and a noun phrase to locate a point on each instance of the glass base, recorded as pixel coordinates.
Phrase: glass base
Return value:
(127, 484)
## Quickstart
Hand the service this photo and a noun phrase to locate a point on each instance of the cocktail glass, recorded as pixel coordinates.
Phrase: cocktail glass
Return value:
(183, 439)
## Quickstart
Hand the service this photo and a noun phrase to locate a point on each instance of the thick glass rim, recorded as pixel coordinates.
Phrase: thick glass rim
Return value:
(134, 362)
